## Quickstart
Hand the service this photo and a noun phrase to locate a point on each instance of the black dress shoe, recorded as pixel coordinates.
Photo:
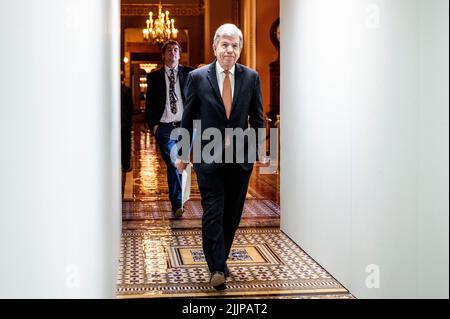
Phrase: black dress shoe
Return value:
(217, 280)
(221, 287)
(178, 212)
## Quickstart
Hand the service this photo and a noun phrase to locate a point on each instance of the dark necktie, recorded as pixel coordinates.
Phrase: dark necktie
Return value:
(172, 95)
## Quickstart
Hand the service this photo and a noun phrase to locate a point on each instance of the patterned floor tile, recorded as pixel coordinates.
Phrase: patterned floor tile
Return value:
(162, 256)
(170, 263)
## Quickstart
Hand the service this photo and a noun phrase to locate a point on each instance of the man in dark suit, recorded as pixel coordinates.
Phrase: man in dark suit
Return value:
(223, 95)
(164, 110)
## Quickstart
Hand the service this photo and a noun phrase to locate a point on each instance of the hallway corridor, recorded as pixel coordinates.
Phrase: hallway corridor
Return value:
(162, 257)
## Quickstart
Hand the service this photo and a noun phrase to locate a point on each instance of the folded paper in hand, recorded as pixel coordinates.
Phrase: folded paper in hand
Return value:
(186, 184)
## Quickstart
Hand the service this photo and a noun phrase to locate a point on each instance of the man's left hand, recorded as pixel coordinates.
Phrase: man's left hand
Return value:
(180, 165)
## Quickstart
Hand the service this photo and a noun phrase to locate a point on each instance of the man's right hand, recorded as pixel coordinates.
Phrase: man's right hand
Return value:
(154, 129)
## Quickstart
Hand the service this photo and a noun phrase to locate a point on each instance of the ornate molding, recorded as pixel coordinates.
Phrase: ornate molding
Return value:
(141, 10)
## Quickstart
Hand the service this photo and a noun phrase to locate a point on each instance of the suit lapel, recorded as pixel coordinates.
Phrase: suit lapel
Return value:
(181, 75)
(238, 79)
(212, 77)
(162, 78)
(181, 79)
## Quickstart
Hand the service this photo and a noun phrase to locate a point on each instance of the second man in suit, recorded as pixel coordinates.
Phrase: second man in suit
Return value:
(164, 111)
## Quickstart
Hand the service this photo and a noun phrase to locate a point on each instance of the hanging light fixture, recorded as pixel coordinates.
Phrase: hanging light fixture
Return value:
(161, 29)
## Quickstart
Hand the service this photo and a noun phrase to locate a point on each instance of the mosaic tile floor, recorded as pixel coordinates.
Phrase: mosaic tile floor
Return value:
(161, 257)
(263, 262)
(256, 213)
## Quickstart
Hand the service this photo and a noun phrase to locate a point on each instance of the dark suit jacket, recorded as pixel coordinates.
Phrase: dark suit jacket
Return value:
(155, 102)
(204, 102)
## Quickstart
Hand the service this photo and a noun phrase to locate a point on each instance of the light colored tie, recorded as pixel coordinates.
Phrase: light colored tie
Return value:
(226, 93)
(227, 100)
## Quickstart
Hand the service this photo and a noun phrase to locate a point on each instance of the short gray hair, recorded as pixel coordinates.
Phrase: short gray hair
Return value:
(229, 30)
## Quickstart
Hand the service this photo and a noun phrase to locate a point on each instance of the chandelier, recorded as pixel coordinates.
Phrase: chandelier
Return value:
(161, 29)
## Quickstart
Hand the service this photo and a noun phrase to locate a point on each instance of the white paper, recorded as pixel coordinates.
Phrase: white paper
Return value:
(186, 184)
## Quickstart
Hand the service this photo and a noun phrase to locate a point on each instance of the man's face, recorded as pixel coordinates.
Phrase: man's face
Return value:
(172, 54)
(227, 51)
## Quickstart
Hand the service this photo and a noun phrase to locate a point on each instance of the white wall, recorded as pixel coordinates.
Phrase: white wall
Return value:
(59, 139)
(433, 177)
(365, 141)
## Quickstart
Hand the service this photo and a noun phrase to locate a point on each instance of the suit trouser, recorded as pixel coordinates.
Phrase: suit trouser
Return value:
(166, 144)
(223, 195)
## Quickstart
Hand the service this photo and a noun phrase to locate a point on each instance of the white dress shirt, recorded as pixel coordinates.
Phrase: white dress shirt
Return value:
(168, 116)
(221, 77)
